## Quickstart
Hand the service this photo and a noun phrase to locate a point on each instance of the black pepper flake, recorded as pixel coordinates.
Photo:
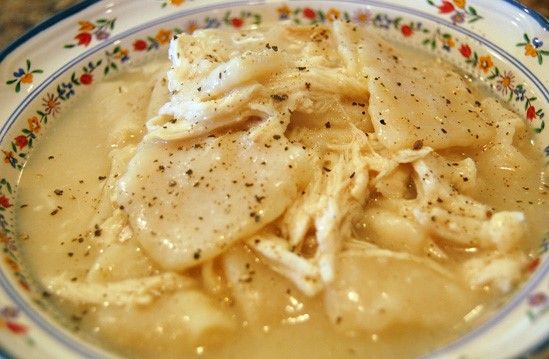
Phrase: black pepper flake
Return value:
(220, 75)
(382, 121)
(197, 254)
(259, 198)
(328, 125)
(279, 98)
(54, 212)
(352, 175)
(465, 179)
(275, 48)
(97, 231)
(199, 89)
(443, 130)
(308, 85)
(189, 172)
(248, 184)
(70, 254)
(276, 137)
(58, 192)
(102, 178)
(477, 103)
(172, 183)
(301, 68)
(326, 169)
(50, 157)
(418, 145)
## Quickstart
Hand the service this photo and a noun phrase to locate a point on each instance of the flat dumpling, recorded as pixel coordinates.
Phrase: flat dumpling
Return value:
(411, 99)
(188, 203)
(376, 289)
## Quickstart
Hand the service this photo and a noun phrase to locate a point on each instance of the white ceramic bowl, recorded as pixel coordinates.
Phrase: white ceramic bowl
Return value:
(42, 72)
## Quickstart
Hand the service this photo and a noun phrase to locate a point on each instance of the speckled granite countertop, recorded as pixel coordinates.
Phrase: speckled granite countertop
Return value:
(17, 16)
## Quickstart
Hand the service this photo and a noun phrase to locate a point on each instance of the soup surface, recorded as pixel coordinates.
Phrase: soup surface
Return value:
(288, 191)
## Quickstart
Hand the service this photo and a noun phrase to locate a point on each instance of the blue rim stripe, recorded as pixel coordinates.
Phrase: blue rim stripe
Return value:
(79, 348)
(45, 25)
(540, 19)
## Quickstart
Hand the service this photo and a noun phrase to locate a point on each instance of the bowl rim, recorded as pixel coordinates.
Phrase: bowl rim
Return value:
(89, 350)
(71, 10)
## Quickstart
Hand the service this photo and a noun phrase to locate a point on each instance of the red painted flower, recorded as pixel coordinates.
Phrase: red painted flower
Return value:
(16, 327)
(237, 22)
(5, 202)
(86, 79)
(139, 45)
(465, 50)
(21, 141)
(446, 7)
(84, 38)
(406, 30)
(531, 113)
(309, 13)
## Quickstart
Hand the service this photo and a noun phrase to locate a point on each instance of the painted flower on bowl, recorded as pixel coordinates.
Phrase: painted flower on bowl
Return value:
(87, 30)
(86, 79)
(309, 13)
(406, 30)
(284, 12)
(333, 14)
(139, 45)
(465, 50)
(485, 63)
(34, 124)
(23, 76)
(163, 36)
(362, 17)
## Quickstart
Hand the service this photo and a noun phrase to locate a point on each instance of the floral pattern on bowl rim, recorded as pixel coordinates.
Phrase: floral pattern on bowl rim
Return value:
(124, 36)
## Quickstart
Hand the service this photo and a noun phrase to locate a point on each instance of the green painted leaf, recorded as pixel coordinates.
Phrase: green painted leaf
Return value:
(18, 86)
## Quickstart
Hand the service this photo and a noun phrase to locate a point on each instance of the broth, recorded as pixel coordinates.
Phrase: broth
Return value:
(61, 225)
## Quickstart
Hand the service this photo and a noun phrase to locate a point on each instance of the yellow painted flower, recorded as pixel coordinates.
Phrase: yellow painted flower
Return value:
(362, 16)
(86, 26)
(283, 10)
(121, 54)
(460, 3)
(333, 14)
(8, 156)
(163, 36)
(26, 78)
(485, 63)
(176, 2)
(34, 124)
(530, 50)
(449, 42)
(191, 27)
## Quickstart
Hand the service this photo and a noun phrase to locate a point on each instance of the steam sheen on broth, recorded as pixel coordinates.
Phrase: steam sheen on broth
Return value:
(297, 191)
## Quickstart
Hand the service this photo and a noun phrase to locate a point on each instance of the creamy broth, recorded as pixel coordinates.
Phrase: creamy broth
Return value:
(65, 218)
